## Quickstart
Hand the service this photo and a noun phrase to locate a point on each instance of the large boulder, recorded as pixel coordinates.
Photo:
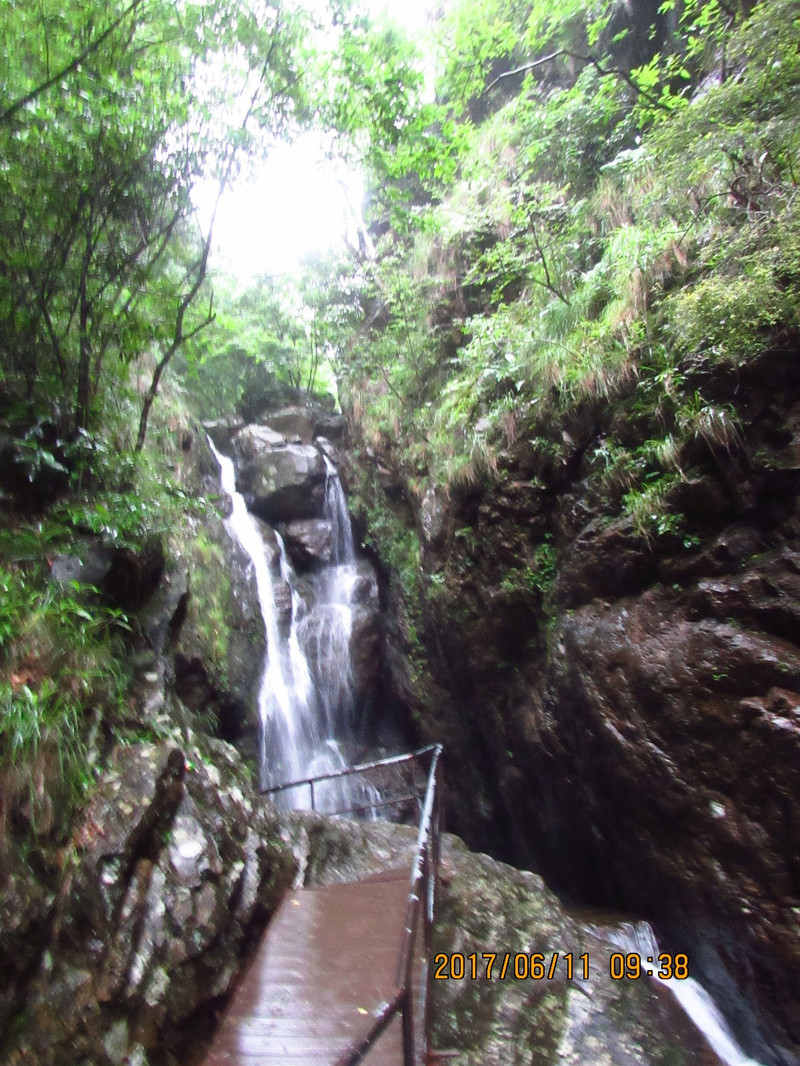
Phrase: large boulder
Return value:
(177, 871)
(252, 441)
(309, 543)
(331, 426)
(295, 423)
(284, 484)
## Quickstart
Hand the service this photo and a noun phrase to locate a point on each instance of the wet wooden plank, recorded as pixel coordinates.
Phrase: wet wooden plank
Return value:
(325, 968)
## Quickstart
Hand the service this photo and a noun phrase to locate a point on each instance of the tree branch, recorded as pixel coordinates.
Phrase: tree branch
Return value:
(583, 59)
(70, 68)
(200, 268)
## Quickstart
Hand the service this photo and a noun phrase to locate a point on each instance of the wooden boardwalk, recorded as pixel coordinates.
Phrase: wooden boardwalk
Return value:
(325, 970)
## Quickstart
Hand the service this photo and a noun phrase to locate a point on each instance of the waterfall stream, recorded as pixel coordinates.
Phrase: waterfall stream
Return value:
(638, 937)
(305, 703)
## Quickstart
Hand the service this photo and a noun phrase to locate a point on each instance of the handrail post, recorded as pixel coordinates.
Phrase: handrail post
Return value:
(409, 1056)
(421, 898)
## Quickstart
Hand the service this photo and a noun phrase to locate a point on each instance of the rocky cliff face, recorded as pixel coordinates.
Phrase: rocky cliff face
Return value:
(616, 677)
(121, 952)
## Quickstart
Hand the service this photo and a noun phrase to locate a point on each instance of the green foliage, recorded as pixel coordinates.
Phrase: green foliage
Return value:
(102, 266)
(718, 425)
(208, 616)
(273, 333)
(647, 507)
(748, 291)
(604, 226)
(58, 671)
(538, 577)
(390, 533)
(129, 499)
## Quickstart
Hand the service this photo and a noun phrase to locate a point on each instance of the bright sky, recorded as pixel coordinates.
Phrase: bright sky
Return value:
(297, 206)
(301, 203)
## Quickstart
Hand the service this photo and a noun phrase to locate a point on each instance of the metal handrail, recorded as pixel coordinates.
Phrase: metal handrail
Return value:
(422, 889)
(421, 894)
(392, 760)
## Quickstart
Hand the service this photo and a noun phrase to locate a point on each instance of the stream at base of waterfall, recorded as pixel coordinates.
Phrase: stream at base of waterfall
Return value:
(637, 939)
(306, 703)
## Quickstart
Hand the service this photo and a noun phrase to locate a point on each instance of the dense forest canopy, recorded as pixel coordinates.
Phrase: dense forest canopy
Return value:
(111, 118)
(624, 196)
(578, 159)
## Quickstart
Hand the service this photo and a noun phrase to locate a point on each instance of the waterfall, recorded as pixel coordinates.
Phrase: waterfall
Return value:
(344, 549)
(306, 706)
(638, 937)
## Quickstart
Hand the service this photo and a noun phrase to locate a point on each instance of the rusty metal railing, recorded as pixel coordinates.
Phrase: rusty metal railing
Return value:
(363, 769)
(420, 910)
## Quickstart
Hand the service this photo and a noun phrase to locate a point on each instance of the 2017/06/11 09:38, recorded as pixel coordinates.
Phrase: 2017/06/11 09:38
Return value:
(520, 966)
(457, 966)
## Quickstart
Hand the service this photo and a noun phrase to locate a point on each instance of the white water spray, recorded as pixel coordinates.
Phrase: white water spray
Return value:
(638, 938)
(306, 704)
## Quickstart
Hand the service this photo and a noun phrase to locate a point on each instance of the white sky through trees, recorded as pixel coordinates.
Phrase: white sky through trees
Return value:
(301, 203)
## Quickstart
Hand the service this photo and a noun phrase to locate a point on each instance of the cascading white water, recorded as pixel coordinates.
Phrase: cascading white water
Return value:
(344, 549)
(286, 690)
(638, 938)
(325, 632)
(305, 703)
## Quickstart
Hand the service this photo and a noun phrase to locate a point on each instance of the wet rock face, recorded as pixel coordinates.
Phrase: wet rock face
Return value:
(176, 871)
(367, 633)
(134, 575)
(695, 721)
(309, 543)
(295, 423)
(285, 483)
(619, 706)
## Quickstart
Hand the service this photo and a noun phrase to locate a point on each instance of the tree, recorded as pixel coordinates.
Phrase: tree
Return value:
(112, 120)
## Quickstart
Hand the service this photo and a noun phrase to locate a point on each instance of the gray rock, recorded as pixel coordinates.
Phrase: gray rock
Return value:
(223, 430)
(90, 567)
(433, 515)
(252, 441)
(285, 484)
(177, 871)
(282, 596)
(331, 427)
(365, 586)
(163, 611)
(327, 447)
(309, 543)
(366, 643)
(295, 423)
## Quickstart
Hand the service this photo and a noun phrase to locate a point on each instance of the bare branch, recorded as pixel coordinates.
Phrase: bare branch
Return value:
(599, 67)
(200, 268)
